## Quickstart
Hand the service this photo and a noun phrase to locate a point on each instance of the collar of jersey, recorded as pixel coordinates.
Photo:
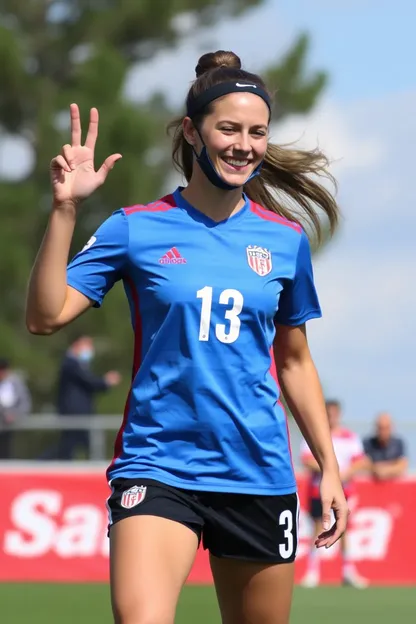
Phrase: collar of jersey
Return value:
(197, 215)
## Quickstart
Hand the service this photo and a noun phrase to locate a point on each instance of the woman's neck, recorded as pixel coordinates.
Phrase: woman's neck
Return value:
(214, 202)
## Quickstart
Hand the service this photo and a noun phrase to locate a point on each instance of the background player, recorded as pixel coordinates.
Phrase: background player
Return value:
(203, 451)
(351, 459)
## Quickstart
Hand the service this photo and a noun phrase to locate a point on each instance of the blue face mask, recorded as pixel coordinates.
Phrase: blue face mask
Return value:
(206, 164)
(86, 355)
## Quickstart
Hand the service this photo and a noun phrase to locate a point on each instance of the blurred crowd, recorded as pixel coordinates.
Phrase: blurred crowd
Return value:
(77, 386)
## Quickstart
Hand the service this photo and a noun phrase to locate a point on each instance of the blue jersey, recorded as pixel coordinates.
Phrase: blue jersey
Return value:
(203, 412)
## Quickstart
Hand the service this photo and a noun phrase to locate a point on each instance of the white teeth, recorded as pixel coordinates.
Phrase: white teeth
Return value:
(237, 163)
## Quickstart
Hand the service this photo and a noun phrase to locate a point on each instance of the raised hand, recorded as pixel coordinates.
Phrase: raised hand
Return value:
(73, 175)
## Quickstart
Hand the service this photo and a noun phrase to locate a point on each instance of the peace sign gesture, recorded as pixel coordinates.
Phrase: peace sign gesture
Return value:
(73, 175)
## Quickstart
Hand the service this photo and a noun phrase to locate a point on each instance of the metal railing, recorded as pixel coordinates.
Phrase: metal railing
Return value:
(98, 426)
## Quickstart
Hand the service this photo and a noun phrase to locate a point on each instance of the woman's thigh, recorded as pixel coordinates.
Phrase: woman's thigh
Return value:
(150, 559)
(253, 593)
(252, 541)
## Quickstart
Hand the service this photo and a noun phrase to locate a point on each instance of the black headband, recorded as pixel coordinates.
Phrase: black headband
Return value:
(196, 104)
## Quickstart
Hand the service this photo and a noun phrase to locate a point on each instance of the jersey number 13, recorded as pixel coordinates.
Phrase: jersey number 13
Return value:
(224, 333)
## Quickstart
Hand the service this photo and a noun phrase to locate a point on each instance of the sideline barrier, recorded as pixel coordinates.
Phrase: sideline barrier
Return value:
(53, 527)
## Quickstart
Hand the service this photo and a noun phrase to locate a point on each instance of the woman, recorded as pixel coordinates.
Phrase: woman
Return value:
(218, 276)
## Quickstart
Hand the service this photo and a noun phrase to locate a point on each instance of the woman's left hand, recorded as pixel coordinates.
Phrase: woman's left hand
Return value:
(332, 497)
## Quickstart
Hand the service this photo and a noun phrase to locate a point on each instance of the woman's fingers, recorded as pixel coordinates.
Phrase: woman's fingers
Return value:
(92, 134)
(326, 513)
(324, 537)
(330, 537)
(67, 153)
(75, 125)
(107, 165)
(59, 163)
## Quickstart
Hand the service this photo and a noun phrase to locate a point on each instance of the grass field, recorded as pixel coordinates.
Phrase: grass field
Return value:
(79, 604)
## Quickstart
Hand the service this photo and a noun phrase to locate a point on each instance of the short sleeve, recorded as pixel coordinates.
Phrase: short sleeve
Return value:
(99, 265)
(298, 301)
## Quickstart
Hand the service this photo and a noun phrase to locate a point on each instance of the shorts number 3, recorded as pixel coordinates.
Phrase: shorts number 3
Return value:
(286, 520)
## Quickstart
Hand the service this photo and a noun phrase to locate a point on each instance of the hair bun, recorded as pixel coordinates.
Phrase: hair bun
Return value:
(215, 60)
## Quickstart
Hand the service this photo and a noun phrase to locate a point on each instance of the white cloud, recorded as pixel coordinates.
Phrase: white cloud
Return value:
(329, 128)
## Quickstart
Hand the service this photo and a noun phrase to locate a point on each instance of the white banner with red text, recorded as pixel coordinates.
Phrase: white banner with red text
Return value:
(53, 527)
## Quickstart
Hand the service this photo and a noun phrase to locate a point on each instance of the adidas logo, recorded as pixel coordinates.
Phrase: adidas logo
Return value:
(172, 257)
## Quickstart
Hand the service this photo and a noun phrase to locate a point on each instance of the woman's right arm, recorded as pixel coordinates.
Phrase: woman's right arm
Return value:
(51, 303)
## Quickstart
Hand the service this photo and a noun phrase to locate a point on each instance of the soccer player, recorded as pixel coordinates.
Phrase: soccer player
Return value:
(218, 276)
(351, 460)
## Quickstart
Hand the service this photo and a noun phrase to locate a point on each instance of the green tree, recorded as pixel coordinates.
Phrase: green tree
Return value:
(56, 52)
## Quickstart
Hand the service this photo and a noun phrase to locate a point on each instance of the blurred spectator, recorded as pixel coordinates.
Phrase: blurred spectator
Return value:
(385, 451)
(351, 460)
(15, 402)
(77, 387)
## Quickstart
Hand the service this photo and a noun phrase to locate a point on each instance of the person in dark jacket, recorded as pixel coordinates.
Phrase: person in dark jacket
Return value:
(77, 387)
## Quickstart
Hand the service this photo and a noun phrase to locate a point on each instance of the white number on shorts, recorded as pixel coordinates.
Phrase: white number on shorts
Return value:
(286, 520)
(227, 337)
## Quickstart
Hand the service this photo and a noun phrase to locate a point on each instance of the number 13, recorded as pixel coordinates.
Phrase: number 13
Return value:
(231, 315)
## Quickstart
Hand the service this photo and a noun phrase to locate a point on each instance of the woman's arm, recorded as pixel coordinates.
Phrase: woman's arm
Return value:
(51, 304)
(302, 390)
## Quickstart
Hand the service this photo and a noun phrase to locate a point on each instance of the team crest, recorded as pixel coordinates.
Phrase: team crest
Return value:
(259, 259)
(133, 496)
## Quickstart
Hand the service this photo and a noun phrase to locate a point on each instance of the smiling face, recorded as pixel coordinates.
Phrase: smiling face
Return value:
(235, 134)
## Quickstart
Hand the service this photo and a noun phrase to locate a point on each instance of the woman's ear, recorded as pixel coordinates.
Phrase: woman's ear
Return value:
(189, 131)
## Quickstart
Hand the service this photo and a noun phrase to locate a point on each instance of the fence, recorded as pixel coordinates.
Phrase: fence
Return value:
(100, 427)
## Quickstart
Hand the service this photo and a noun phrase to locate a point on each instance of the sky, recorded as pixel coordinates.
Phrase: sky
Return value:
(364, 346)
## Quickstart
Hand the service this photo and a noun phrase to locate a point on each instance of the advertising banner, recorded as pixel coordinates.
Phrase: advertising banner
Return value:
(53, 527)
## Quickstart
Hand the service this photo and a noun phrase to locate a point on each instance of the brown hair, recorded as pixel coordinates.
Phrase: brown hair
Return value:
(290, 182)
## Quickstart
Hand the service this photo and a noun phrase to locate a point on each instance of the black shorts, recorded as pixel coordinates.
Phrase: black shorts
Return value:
(237, 526)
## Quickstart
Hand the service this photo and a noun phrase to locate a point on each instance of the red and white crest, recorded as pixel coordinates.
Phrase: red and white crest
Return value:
(133, 496)
(259, 259)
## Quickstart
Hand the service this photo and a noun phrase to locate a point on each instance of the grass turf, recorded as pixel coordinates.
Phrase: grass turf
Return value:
(78, 604)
